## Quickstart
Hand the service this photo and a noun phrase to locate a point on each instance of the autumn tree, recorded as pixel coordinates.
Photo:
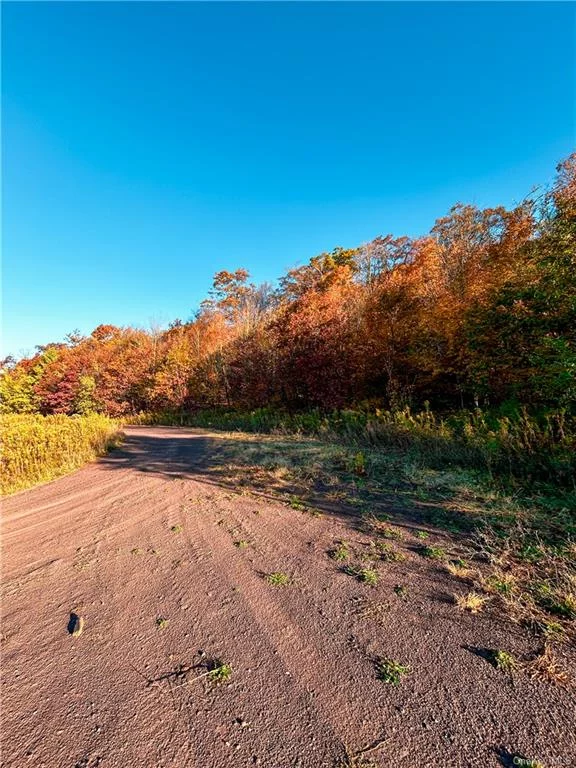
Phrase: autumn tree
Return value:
(481, 310)
(523, 339)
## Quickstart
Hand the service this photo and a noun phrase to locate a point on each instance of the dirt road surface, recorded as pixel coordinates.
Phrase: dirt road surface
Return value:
(167, 567)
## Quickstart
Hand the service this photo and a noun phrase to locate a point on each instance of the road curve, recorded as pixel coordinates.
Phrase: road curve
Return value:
(166, 565)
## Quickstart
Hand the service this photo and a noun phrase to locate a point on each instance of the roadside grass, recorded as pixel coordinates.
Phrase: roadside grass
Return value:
(433, 552)
(298, 504)
(368, 576)
(215, 672)
(500, 583)
(391, 532)
(459, 571)
(534, 581)
(340, 551)
(36, 449)
(278, 579)
(541, 665)
(473, 602)
(504, 661)
(507, 442)
(391, 671)
(219, 672)
(545, 666)
(387, 553)
(518, 544)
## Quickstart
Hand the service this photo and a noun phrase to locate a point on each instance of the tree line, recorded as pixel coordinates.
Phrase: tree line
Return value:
(479, 312)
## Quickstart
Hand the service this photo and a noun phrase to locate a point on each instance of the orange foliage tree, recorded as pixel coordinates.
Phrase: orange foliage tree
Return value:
(481, 310)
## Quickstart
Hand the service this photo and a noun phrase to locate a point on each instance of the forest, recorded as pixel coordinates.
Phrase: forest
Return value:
(477, 316)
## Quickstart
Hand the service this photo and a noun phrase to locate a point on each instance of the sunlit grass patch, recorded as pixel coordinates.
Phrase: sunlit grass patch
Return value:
(368, 575)
(545, 666)
(502, 583)
(219, 673)
(524, 539)
(278, 579)
(459, 571)
(504, 661)
(388, 554)
(37, 448)
(391, 532)
(473, 602)
(433, 552)
(391, 671)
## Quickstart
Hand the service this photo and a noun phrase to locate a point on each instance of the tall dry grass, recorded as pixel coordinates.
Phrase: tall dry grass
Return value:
(36, 449)
(519, 445)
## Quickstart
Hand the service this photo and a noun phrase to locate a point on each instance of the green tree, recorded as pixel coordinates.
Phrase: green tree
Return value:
(17, 391)
(85, 401)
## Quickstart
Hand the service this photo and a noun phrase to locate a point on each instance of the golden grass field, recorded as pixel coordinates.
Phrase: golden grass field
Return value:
(36, 448)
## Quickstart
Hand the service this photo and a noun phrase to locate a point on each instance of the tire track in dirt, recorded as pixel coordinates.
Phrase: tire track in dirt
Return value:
(303, 679)
(319, 660)
(221, 602)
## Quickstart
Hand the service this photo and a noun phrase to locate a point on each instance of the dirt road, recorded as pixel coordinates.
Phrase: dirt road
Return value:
(168, 568)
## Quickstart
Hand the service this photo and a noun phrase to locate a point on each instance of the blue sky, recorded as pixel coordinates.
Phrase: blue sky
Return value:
(148, 145)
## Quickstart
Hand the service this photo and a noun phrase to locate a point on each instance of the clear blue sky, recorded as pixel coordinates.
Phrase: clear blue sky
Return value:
(148, 145)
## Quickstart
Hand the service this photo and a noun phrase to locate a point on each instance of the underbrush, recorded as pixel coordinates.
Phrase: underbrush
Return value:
(39, 448)
(533, 449)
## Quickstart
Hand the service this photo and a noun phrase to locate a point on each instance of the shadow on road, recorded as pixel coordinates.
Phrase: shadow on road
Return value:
(171, 452)
(179, 453)
(272, 468)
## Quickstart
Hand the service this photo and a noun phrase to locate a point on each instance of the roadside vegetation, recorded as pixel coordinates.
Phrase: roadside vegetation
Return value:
(506, 442)
(508, 545)
(37, 448)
